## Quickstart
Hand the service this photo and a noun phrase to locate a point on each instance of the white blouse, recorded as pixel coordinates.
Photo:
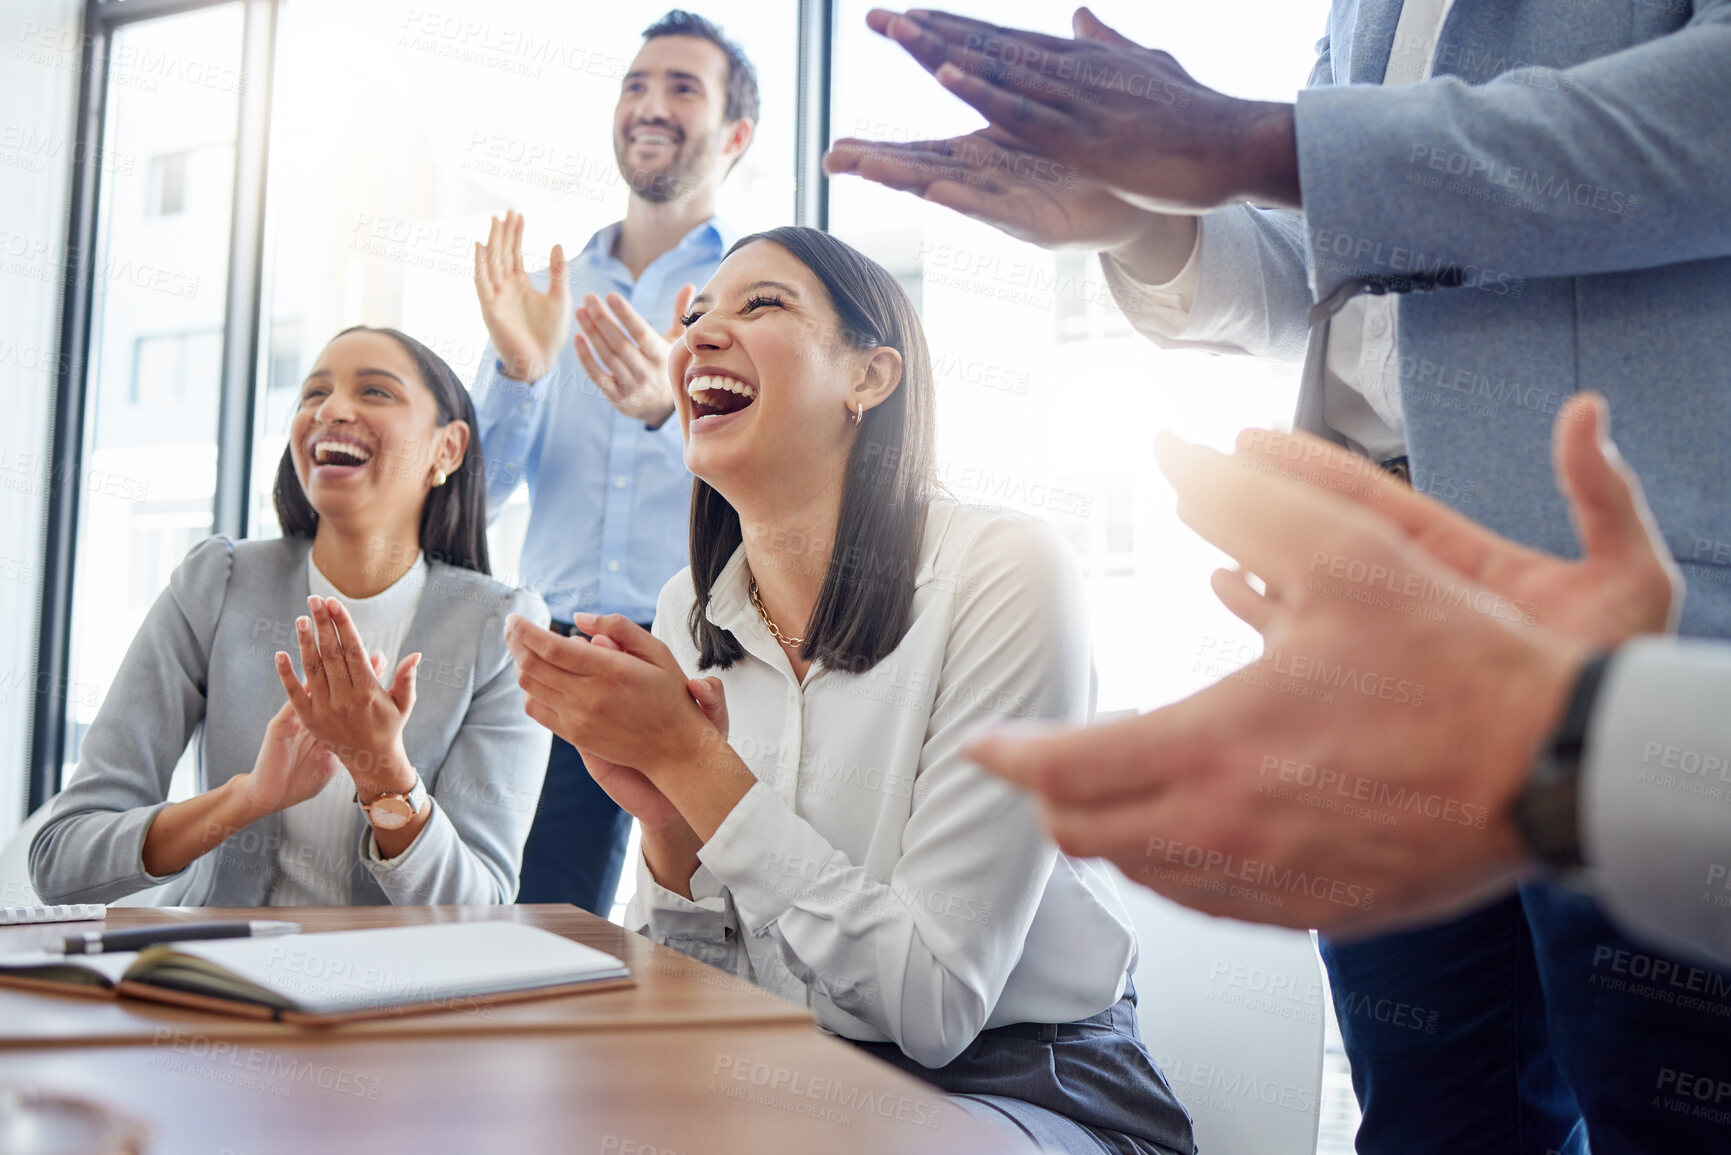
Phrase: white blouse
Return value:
(873, 873)
(318, 834)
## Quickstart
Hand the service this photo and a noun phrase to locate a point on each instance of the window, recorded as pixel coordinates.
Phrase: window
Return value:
(170, 370)
(284, 368)
(1048, 400)
(156, 348)
(167, 184)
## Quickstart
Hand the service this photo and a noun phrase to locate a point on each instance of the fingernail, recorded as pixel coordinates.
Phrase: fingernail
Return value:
(580, 619)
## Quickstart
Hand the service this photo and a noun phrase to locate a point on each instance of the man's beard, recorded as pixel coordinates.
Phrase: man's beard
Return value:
(678, 179)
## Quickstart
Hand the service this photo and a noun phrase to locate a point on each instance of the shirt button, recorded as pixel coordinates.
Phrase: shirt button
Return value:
(612, 567)
(621, 481)
(525, 407)
(1378, 326)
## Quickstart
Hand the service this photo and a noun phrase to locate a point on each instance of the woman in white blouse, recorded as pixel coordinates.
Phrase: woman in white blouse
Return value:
(809, 821)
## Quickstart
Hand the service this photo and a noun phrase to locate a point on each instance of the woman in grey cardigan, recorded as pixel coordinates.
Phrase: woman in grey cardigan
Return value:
(345, 791)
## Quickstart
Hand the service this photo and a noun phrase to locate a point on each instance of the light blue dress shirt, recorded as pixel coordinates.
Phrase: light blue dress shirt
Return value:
(609, 498)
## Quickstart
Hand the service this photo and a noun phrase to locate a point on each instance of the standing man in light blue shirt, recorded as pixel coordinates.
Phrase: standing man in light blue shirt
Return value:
(586, 423)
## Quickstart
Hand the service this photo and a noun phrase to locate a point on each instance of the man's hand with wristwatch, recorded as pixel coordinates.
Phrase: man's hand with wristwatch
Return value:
(342, 704)
(1410, 740)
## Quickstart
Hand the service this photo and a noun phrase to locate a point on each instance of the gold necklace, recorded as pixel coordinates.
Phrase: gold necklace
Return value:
(795, 643)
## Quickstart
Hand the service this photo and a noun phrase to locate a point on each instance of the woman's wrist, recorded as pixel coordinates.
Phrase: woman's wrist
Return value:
(239, 803)
(389, 772)
(671, 856)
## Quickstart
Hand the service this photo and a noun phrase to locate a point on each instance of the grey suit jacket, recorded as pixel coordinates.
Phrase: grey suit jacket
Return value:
(1555, 209)
(204, 655)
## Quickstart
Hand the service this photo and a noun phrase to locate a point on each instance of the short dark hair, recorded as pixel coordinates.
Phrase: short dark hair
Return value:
(866, 601)
(454, 518)
(741, 76)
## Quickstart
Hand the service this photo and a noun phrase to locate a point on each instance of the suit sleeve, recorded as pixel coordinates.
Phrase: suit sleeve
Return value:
(1614, 164)
(91, 847)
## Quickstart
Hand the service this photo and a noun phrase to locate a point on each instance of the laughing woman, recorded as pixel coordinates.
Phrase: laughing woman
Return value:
(828, 840)
(331, 789)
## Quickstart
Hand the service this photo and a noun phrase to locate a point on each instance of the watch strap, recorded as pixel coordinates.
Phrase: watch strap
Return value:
(1548, 812)
(415, 796)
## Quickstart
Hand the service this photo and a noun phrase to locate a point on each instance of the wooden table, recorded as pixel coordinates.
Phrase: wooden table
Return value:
(672, 991)
(751, 1090)
(691, 1060)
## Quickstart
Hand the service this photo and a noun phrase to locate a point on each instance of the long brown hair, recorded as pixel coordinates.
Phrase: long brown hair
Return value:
(866, 599)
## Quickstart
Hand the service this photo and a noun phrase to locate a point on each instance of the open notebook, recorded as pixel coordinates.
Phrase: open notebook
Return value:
(337, 977)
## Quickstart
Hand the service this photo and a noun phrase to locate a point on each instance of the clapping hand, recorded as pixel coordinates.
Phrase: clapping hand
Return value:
(527, 326)
(621, 699)
(342, 702)
(1441, 690)
(292, 765)
(1625, 583)
(626, 357)
(993, 178)
(1123, 115)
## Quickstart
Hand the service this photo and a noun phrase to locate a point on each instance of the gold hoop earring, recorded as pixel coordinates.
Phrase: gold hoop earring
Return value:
(858, 412)
(438, 478)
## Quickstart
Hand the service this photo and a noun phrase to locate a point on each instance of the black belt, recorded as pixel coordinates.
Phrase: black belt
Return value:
(1397, 467)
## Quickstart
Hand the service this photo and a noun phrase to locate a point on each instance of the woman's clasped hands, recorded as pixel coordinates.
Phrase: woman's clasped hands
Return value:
(342, 703)
(653, 739)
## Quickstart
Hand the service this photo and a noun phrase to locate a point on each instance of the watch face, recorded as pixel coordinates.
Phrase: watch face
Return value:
(389, 812)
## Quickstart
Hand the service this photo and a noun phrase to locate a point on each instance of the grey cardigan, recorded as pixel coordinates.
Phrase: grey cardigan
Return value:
(204, 655)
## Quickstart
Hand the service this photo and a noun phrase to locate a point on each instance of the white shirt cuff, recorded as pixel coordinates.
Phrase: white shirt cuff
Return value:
(765, 855)
(1656, 795)
(1165, 307)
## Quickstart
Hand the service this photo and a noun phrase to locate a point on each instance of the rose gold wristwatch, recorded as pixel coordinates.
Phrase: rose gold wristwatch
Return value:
(393, 809)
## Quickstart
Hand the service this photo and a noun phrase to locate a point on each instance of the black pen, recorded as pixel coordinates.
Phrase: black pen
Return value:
(101, 942)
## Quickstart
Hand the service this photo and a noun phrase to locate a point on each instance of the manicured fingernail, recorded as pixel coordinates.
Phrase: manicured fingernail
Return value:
(303, 625)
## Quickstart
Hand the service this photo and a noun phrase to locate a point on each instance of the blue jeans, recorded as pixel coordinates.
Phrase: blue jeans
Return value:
(1530, 1026)
(576, 847)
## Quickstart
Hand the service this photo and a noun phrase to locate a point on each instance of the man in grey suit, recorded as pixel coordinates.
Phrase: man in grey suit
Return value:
(1473, 212)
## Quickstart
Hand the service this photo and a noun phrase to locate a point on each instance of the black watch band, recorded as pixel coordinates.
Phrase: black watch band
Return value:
(1548, 811)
